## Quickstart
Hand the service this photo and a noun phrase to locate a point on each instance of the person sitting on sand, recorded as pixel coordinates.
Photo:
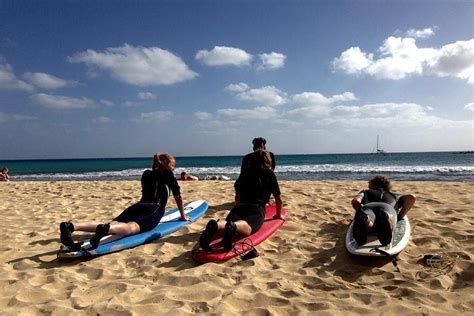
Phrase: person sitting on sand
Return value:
(139, 217)
(187, 177)
(4, 175)
(259, 143)
(252, 192)
(378, 210)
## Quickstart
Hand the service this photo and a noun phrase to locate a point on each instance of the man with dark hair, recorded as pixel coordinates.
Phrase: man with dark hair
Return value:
(258, 144)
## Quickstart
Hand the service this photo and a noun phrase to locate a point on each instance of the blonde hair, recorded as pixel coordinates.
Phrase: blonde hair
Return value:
(161, 161)
(260, 159)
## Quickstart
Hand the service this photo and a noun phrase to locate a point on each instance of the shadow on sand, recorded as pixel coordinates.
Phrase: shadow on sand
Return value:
(337, 261)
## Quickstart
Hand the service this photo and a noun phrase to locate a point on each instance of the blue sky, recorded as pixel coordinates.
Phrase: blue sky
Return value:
(127, 78)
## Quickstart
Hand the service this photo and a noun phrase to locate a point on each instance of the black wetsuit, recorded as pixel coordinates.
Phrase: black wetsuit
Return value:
(379, 196)
(375, 201)
(254, 188)
(155, 191)
(245, 161)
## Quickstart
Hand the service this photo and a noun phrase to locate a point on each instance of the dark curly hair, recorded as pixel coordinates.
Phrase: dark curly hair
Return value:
(381, 183)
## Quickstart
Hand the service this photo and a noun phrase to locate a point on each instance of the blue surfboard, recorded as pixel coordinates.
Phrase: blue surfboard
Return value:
(111, 243)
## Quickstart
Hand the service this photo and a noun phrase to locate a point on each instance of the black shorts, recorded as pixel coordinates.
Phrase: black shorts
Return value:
(146, 215)
(253, 214)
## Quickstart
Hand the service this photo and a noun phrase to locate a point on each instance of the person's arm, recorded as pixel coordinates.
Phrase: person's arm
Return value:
(357, 202)
(406, 202)
(275, 189)
(174, 186)
(279, 205)
(179, 204)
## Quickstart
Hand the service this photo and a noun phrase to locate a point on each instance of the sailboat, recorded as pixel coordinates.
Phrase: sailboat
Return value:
(380, 151)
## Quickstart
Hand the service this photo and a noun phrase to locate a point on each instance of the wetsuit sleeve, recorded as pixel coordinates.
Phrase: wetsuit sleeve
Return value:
(245, 162)
(172, 183)
(238, 186)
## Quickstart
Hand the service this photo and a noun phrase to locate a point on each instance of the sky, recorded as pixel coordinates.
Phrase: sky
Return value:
(98, 79)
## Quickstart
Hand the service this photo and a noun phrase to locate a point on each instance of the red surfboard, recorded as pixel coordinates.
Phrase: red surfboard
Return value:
(241, 244)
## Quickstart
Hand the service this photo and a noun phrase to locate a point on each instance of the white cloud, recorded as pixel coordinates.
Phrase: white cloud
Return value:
(306, 99)
(224, 56)
(60, 102)
(237, 87)
(271, 61)
(9, 81)
(6, 117)
(107, 102)
(46, 81)
(392, 110)
(157, 116)
(258, 113)
(203, 116)
(102, 120)
(469, 107)
(269, 96)
(456, 59)
(130, 104)
(353, 61)
(146, 96)
(138, 66)
(316, 115)
(379, 111)
(425, 33)
(400, 57)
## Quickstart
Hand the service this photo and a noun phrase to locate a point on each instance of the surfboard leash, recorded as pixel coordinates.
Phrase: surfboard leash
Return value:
(435, 265)
(393, 258)
(243, 254)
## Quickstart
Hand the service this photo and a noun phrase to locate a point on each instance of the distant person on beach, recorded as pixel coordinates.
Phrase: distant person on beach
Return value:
(217, 177)
(140, 217)
(259, 143)
(378, 210)
(187, 177)
(4, 175)
(252, 192)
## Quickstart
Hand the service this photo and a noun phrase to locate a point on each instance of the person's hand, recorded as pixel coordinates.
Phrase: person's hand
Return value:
(185, 218)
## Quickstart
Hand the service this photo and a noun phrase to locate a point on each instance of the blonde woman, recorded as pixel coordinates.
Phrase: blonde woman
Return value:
(140, 217)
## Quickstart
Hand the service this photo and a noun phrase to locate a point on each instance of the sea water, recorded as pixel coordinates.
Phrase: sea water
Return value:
(427, 166)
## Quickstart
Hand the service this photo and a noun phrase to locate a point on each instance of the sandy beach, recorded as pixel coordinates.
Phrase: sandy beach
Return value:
(303, 269)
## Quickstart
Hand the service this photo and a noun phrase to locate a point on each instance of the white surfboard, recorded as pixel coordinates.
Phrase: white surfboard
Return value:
(400, 239)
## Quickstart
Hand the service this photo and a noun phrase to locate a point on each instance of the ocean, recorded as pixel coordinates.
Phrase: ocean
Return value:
(426, 166)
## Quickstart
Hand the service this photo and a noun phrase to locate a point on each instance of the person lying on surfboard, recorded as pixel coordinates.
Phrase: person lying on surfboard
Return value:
(253, 188)
(140, 217)
(378, 210)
